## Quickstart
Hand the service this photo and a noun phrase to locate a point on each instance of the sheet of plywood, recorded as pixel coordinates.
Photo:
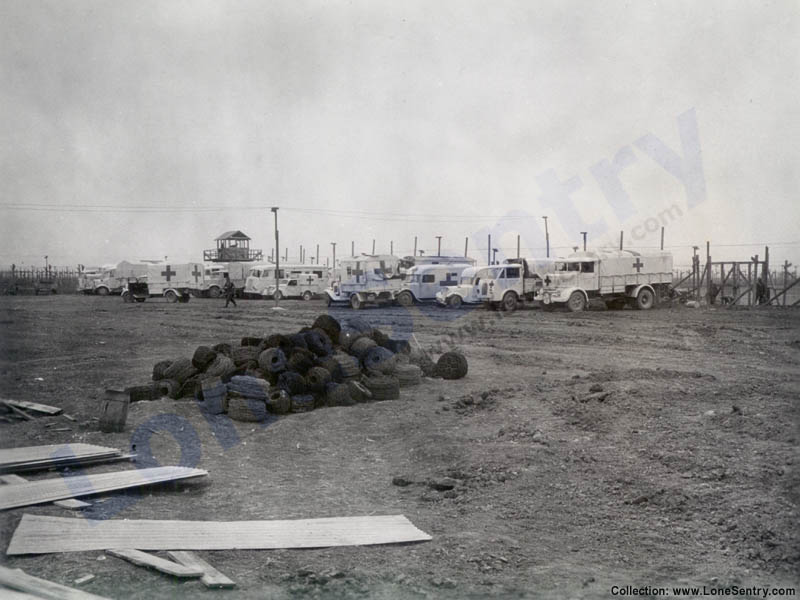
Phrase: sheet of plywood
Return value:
(17, 579)
(39, 534)
(60, 488)
(143, 559)
(211, 577)
(35, 406)
(70, 504)
(27, 457)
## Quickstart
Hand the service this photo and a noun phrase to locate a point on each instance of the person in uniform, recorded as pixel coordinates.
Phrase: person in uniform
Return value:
(229, 289)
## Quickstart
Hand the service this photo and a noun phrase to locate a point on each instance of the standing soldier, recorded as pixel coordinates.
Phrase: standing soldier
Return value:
(229, 290)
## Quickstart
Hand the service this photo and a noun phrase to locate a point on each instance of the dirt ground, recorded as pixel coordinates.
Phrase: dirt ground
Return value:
(581, 452)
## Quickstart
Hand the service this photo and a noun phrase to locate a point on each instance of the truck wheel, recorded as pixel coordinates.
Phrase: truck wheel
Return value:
(645, 299)
(307, 295)
(278, 295)
(510, 302)
(170, 296)
(101, 291)
(355, 302)
(576, 302)
(455, 301)
(405, 298)
(126, 297)
(214, 292)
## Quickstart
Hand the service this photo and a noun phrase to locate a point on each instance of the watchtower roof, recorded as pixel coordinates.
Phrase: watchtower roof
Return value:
(232, 235)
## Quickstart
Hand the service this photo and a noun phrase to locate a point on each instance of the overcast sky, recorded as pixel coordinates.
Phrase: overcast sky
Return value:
(143, 129)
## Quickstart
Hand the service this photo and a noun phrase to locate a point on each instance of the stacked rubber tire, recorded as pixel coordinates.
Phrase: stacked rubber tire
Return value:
(327, 364)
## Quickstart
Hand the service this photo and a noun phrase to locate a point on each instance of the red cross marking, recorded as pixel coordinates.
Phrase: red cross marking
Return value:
(168, 273)
(197, 272)
(638, 265)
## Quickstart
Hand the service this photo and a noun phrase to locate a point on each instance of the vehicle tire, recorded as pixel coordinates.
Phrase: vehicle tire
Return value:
(383, 387)
(169, 388)
(319, 342)
(180, 370)
(301, 361)
(380, 359)
(347, 336)
(140, 300)
(455, 301)
(338, 394)
(307, 295)
(355, 302)
(203, 357)
(292, 382)
(329, 325)
(279, 402)
(405, 298)
(302, 403)
(102, 291)
(358, 391)
(451, 365)
(248, 410)
(159, 368)
(408, 375)
(214, 292)
(126, 297)
(576, 302)
(170, 296)
(509, 302)
(317, 379)
(645, 299)
(190, 387)
(278, 295)
(222, 348)
(342, 366)
(272, 360)
(245, 354)
(361, 346)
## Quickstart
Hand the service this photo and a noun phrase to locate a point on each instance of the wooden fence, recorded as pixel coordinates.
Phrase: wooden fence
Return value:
(50, 280)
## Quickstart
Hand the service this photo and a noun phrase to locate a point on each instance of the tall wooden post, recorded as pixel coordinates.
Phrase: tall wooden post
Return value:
(415, 246)
(373, 247)
(317, 260)
(466, 246)
(489, 251)
(438, 245)
(662, 238)
(277, 255)
(721, 281)
(708, 273)
(621, 233)
(517, 245)
(749, 284)
(766, 267)
(352, 248)
(301, 254)
(391, 247)
(786, 265)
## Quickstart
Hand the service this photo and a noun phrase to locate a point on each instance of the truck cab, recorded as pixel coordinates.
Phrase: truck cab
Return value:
(518, 280)
(469, 286)
(617, 277)
(423, 282)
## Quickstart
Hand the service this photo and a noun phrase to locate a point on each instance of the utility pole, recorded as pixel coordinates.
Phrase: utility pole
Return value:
(373, 247)
(317, 261)
(546, 237)
(391, 247)
(517, 245)
(695, 280)
(334, 254)
(489, 250)
(415, 246)
(277, 256)
(662, 237)
(352, 248)
(466, 246)
(439, 250)
(709, 295)
(621, 233)
(583, 233)
(301, 254)
(494, 256)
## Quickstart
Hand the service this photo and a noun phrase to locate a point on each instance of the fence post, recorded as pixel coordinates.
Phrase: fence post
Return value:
(709, 292)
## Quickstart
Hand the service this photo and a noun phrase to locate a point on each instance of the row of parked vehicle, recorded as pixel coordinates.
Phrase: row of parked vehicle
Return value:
(617, 277)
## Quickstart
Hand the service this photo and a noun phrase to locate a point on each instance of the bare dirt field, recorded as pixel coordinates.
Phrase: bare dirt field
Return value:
(581, 452)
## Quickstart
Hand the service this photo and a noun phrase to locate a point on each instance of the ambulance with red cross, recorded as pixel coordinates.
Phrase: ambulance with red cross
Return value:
(174, 282)
(619, 278)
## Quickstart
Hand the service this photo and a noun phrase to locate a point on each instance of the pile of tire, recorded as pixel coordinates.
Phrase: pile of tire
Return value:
(330, 363)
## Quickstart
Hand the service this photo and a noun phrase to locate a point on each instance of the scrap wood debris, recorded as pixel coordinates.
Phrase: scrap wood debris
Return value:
(327, 364)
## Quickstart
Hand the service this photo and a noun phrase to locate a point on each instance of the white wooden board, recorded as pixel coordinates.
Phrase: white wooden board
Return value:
(40, 535)
(60, 488)
(17, 579)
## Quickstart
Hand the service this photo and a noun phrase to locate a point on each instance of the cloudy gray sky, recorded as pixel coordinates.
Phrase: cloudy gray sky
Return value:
(139, 129)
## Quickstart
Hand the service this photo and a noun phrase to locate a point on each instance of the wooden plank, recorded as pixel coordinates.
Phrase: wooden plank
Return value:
(83, 462)
(60, 488)
(211, 577)
(9, 594)
(143, 559)
(37, 534)
(17, 579)
(70, 503)
(18, 411)
(34, 406)
(11, 457)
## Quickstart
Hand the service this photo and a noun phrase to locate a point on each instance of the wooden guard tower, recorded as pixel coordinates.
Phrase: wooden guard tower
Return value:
(232, 246)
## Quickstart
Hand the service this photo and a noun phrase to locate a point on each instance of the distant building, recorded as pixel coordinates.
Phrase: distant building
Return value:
(232, 246)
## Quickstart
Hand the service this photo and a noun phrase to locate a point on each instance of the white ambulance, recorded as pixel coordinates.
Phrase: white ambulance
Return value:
(469, 286)
(423, 282)
(295, 281)
(367, 279)
(174, 282)
(214, 277)
(617, 277)
(519, 280)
